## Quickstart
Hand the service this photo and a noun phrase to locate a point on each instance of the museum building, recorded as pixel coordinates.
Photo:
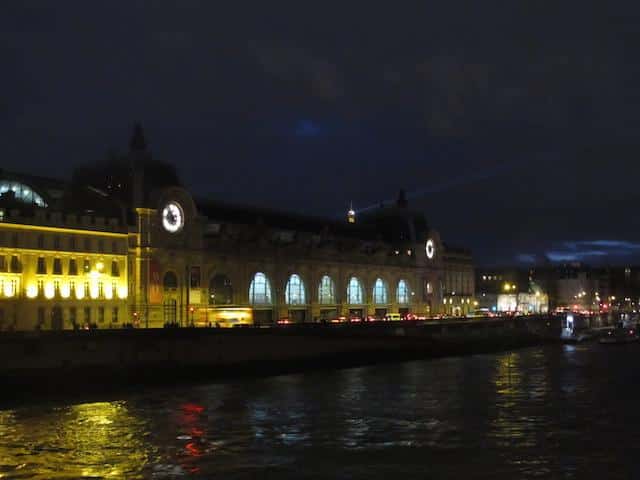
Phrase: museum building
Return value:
(123, 243)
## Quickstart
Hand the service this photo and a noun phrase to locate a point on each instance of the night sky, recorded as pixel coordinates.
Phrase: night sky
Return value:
(513, 125)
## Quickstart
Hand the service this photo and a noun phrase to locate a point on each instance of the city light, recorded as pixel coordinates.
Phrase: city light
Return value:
(49, 290)
(32, 290)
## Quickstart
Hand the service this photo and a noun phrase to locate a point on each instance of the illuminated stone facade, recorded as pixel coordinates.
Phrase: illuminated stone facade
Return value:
(162, 258)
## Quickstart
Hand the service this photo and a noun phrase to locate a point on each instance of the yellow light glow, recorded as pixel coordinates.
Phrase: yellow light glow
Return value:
(79, 292)
(65, 290)
(100, 266)
(507, 287)
(122, 292)
(93, 290)
(32, 290)
(8, 289)
(49, 291)
(108, 291)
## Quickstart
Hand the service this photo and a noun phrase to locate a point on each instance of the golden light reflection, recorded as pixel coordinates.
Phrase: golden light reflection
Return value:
(65, 290)
(93, 440)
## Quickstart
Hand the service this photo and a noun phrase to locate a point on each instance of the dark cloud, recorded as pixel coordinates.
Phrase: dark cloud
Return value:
(514, 124)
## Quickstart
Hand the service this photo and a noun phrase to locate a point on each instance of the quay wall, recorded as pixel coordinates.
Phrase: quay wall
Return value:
(50, 360)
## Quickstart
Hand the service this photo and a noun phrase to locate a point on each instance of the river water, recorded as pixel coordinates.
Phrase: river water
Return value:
(545, 412)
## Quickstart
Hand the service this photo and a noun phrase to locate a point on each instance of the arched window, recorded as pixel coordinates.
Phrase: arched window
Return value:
(21, 192)
(326, 291)
(220, 290)
(170, 281)
(402, 292)
(355, 294)
(294, 291)
(260, 290)
(380, 296)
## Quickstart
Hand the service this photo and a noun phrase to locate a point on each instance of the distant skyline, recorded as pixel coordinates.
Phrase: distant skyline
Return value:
(514, 126)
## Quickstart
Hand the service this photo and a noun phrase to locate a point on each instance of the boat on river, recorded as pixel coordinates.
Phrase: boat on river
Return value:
(620, 335)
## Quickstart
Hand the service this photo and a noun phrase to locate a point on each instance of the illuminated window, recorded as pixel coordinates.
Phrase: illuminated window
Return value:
(170, 281)
(380, 296)
(402, 292)
(260, 290)
(86, 266)
(42, 266)
(57, 266)
(220, 290)
(326, 291)
(355, 293)
(294, 291)
(73, 267)
(115, 269)
(22, 192)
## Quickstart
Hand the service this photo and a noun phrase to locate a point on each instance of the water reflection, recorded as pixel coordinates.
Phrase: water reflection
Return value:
(89, 440)
(541, 412)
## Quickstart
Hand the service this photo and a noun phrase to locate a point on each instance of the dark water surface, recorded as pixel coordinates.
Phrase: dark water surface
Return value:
(545, 412)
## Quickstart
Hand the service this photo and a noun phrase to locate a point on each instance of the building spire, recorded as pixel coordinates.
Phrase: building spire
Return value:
(137, 142)
(351, 214)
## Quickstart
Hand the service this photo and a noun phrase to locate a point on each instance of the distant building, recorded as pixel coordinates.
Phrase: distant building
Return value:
(459, 281)
(124, 243)
(510, 290)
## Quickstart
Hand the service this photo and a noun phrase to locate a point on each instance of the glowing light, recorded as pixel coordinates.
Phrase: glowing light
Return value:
(65, 290)
(99, 266)
(8, 289)
(430, 249)
(79, 292)
(93, 290)
(32, 290)
(49, 290)
(122, 292)
(108, 292)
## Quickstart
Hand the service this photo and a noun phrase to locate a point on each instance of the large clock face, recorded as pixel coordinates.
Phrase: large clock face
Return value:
(430, 248)
(172, 217)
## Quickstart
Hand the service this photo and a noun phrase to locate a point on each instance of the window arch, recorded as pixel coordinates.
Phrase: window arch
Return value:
(294, 291)
(326, 291)
(260, 290)
(220, 290)
(170, 281)
(22, 192)
(380, 296)
(355, 294)
(402, 292)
